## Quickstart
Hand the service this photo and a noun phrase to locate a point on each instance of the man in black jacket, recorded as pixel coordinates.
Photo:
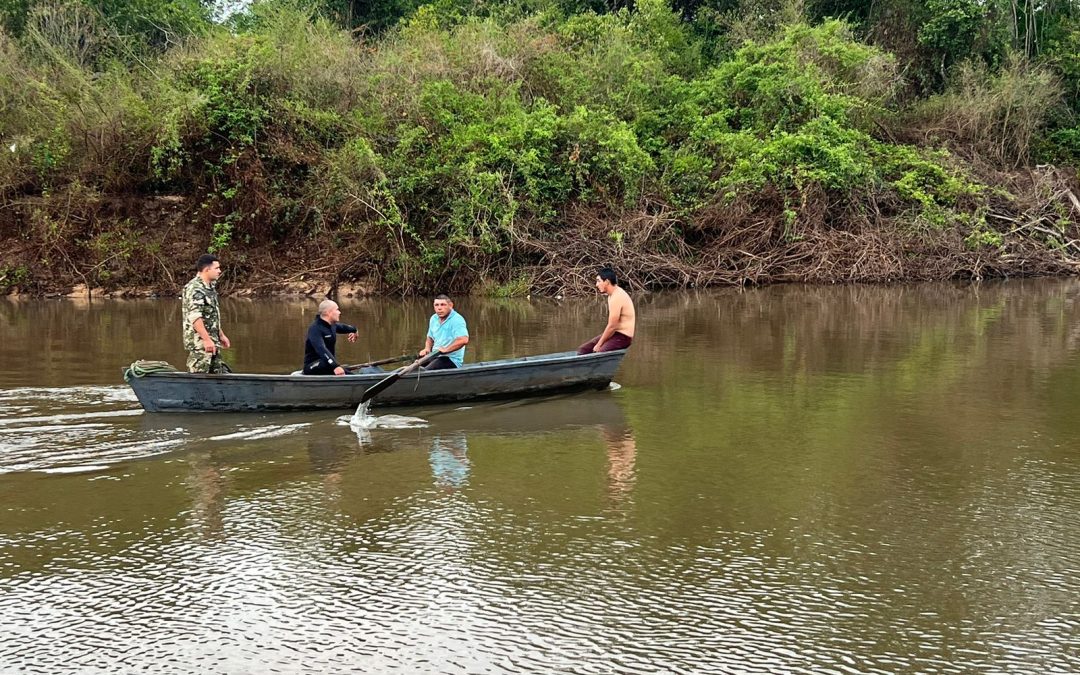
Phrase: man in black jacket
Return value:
(319, 356)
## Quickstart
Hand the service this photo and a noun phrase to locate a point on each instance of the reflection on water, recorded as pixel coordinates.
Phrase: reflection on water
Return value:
(449, 461)
(208, 486)
(621, 453)
(791, 480)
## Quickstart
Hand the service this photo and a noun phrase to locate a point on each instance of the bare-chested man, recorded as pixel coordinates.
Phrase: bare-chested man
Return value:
(619, 332)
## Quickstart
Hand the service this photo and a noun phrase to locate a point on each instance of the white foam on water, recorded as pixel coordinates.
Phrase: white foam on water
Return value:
(67, 428)
(76, 429)
(47, 456)
(75, 469)
(72, 395)
(614, 386)
(261, 432)
(398, 422)
(69, 416)
(361, 420)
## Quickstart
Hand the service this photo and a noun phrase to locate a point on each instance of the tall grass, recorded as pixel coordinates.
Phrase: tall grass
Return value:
(995, 116)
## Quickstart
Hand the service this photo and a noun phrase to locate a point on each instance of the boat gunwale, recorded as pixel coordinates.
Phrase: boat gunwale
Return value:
(480, 366)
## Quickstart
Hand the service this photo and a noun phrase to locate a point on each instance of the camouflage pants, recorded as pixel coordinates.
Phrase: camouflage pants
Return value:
(202, 361)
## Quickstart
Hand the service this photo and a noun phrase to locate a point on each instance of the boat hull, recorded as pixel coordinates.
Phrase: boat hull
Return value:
(240, 392)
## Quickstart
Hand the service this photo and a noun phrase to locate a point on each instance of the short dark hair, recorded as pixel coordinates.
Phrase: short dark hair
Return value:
(444, 296)
(205, 260)
(608, 274)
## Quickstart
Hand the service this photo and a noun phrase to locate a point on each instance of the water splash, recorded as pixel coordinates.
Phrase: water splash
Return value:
(258, 433)
(361, 419)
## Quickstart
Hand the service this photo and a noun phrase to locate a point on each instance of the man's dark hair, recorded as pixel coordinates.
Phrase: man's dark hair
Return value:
(205, 260)
(608, 274)
(443, 296)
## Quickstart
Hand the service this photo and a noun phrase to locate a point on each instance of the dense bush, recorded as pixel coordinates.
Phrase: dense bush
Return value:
(452, 144)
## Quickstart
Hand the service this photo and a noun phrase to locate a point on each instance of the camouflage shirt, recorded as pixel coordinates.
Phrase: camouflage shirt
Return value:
(200, 301)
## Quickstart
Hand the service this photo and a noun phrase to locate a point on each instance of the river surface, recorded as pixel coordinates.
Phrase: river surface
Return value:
(783, 480)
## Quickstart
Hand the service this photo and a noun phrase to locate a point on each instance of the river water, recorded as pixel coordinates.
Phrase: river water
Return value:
(784, 480)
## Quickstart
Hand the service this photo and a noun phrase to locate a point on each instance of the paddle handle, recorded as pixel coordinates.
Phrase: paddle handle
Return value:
(381, 385)
(382, 362)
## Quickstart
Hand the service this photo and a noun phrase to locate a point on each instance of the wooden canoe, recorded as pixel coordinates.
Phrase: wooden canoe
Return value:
(507, 378)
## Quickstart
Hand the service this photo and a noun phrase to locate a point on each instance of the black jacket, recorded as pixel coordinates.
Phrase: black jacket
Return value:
(319, 347)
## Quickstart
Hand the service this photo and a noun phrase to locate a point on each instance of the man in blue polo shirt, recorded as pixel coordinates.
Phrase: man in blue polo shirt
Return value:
(447, 333)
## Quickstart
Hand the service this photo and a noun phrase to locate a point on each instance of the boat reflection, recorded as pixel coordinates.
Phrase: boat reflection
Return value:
(233, 455)
(449, 432)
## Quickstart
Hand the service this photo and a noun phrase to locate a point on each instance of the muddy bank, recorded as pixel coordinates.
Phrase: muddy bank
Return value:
(146, 246)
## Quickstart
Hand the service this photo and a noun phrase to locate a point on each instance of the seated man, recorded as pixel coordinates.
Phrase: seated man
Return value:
(319, 358)
(447, 333)
(619, 331)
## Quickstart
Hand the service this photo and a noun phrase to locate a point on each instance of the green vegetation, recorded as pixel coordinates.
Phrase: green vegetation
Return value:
(510, 147)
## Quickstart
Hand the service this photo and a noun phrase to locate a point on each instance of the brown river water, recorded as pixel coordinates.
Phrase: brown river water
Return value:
(783, 480)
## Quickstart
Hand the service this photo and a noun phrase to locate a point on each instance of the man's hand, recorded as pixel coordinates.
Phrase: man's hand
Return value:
(351, 337)
(339, 371)
(225, 341)
(423, 352)
(209, 346)
(596, 348)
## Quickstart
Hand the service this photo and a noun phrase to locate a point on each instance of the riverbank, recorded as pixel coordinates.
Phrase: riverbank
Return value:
(514, 154)
(145, 247)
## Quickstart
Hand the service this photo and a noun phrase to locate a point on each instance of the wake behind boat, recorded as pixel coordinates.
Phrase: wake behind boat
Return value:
(174, 391)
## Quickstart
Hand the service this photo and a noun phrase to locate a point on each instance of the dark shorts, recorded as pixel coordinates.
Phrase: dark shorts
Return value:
(440, 363)
(616, 341)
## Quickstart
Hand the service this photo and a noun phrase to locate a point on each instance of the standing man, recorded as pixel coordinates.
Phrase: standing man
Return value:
(447, 333)
(319, 358)
(203, 337)
(619, 332)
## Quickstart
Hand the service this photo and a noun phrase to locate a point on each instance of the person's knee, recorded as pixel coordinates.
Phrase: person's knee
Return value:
(441, 363)
(587, 348)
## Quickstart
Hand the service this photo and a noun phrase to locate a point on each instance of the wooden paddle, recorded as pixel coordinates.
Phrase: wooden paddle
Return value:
(381, 362)
(397, 374)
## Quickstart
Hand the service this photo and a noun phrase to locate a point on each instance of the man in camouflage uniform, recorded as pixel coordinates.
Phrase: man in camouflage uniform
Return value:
(203, 337)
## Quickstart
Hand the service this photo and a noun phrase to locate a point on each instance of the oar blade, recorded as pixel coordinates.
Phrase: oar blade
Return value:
(379, 386)
(393, 377)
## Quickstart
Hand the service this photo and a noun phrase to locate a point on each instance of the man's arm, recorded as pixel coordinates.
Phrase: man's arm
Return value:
(344, 328)
(200, 328)
(614, 313)
(457, 344)
(428, 344)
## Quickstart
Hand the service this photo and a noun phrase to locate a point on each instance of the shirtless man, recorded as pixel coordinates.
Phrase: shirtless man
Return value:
(619, 332)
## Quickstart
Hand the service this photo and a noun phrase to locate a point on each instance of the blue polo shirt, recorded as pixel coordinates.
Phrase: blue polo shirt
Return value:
(445, 332)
